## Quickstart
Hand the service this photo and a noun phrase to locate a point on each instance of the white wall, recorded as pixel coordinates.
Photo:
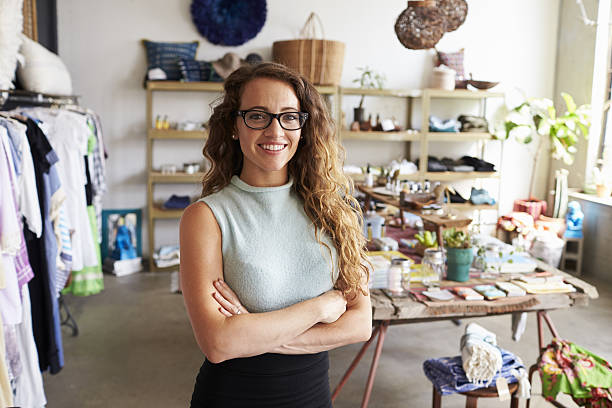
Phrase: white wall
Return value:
(575, 64)
(512, 41)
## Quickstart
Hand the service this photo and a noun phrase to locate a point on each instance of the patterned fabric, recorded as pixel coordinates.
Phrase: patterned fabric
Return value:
(61, 227)
(98, 165)
(166, 55)
(447, 375)
(453, 60)
(19, 250)
(89, 280)
(192, 70)
(570, 369)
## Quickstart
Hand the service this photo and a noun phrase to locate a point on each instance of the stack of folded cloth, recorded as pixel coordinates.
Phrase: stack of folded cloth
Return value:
(167, 256)
(481, 363)
(480, 355)
(448, 376)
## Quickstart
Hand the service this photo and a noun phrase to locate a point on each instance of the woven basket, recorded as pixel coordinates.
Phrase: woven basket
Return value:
(421, 25)
(319, 60)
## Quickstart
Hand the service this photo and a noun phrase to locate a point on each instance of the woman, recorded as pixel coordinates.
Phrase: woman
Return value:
(272, 255)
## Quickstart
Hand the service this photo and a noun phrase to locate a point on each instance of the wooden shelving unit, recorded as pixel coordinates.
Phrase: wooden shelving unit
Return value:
(154, 210)
(426, 137)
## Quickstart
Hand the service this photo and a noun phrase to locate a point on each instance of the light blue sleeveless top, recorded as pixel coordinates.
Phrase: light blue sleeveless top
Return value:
(271, 258)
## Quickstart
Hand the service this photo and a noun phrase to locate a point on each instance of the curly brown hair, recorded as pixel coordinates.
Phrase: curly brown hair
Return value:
(316, 168)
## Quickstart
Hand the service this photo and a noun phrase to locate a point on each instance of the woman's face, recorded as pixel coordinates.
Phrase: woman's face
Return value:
(267, 151)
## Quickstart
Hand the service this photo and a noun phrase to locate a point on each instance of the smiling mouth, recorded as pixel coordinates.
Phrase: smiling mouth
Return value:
(273, 147)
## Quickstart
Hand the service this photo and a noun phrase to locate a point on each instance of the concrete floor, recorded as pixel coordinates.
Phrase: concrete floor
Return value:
(136, 349)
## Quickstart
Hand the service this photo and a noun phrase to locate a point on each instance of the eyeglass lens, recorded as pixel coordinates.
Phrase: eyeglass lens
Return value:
(261, 120)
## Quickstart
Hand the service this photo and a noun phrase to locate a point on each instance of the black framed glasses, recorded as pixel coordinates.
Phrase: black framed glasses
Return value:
(258, 119)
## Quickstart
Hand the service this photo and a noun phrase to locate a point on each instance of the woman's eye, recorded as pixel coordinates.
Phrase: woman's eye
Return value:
(256, 116)
(290, 117)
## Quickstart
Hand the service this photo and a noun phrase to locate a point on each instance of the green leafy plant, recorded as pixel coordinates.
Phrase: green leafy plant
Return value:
(369, 79)
(456, 239)
(537, 117)
(427, 238)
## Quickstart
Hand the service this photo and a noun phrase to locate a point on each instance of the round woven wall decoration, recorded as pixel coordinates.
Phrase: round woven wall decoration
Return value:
(228, 22)
(454, 12)
(421, 25)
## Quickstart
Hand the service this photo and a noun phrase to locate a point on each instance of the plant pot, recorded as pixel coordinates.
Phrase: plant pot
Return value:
(358, 115)
(459, 261)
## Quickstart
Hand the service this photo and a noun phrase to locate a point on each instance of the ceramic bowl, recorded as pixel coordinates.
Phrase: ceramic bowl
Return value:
(482, 85)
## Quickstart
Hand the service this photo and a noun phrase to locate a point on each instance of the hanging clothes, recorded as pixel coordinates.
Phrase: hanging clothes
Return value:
(10, 236)
(6, 393)
(42, 252)
(29, 390)
(73, 139)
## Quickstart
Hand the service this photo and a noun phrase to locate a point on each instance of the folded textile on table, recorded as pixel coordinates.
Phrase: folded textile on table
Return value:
(448, 376)
(568, 368)
(480, 355)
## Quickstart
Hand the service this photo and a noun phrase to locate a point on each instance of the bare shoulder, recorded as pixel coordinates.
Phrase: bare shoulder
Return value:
(198, 216)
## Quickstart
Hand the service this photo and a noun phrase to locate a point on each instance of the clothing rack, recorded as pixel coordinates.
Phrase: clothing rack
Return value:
(13, 98)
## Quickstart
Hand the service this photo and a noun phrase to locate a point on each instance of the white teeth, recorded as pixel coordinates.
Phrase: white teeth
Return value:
(272, 147)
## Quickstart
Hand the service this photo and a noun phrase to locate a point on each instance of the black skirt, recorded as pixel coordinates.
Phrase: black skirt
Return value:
(268, 380)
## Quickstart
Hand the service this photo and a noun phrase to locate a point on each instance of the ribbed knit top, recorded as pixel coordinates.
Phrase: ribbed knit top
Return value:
(271, 258)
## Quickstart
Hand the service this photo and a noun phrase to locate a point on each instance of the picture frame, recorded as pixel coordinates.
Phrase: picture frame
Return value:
(110, 221)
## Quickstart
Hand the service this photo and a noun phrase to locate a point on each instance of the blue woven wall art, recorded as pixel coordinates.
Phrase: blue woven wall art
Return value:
(228, 22)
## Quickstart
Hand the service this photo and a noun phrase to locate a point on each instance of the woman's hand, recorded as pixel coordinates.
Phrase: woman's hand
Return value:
(333, 306)
(228, 301)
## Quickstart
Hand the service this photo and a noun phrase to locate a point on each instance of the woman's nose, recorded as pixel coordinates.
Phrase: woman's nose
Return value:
(275, 129)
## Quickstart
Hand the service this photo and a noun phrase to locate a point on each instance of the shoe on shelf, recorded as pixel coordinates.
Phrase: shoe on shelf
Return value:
(453, 196)
(481, 196)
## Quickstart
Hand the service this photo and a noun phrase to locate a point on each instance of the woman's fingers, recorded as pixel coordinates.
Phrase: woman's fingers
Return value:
(225, 304)
(225, 312)
(227, 292)
(230, 297)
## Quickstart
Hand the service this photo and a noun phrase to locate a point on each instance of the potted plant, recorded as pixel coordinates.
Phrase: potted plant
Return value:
(427, 239)
(537, 118)
(369, 79)
(459, 255)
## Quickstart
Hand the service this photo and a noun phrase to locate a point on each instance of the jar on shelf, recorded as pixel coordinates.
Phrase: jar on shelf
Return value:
(434, 259)
(399, 268)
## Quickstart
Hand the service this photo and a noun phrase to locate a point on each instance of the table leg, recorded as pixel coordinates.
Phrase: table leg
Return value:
(355, 362)
(381, 339)
(436, 400)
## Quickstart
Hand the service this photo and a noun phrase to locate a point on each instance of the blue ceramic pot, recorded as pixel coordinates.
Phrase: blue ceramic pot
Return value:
(459, 261)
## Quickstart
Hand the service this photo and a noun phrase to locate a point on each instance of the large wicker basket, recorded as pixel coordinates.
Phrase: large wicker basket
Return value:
(319, 60)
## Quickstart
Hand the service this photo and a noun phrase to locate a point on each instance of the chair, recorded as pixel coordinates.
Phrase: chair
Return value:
(472, 396)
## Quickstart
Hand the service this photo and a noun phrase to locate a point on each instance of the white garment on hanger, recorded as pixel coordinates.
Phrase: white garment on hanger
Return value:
(10, 238)
(30, 391)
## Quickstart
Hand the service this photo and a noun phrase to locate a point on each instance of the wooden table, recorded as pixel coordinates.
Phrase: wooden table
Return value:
(431, 222)
(387, 310)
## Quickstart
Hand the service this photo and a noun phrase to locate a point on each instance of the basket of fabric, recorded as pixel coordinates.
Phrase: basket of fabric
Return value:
(318, 59)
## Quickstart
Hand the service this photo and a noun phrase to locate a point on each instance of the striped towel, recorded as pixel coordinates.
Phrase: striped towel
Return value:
(480, 355)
